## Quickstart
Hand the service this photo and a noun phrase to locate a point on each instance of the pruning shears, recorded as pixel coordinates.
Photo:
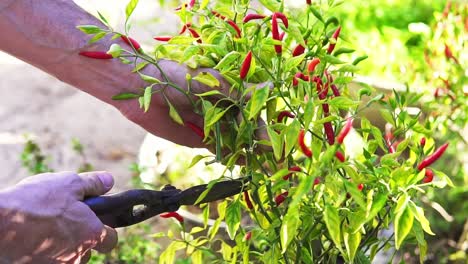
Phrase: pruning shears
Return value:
(134, 206)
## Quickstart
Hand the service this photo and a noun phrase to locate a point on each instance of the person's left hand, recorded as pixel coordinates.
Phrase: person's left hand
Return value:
(157, 120)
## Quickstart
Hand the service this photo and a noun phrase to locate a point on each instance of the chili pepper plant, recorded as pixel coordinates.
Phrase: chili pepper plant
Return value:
(315, 196)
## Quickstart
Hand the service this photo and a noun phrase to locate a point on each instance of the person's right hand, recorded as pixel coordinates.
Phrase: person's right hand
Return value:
(42, 219)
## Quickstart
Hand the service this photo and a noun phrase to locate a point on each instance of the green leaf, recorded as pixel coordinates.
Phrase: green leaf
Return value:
(174, 114)
(359, 59)
(343, 51)
(97, 37)
(419, 214)
(308, 113)
(377, 204)
(332, 59)
(276, 142)
(355, 193)
(422, 244)
(227, 60)
(148, 78)
(196, 159)
(115, 50)
(233, 218)
(279, 174)
(217, 116)
(333, 223)
(90, 29)
(316, 14)
(403, 224)
(132, 4)
(352, 242)
(289, 226)
(207, 79)
(147, 98)
(271, 5)
(190, 52)
(401, 203)
(343, 102)
(103, 19)
(258, 101)
(292, 131)
(293, 62)
(140, 66)
(387, 116)
(125, 96)
(209, 93)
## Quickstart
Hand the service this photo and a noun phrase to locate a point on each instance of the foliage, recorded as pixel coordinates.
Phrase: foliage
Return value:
(335, 207)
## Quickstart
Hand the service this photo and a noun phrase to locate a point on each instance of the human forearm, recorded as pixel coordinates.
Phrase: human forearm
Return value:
(44, 34)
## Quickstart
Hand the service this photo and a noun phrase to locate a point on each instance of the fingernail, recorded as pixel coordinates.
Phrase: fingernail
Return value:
(107, 180)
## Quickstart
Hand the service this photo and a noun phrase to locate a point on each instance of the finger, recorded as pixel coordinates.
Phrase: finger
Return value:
(108, 240)
(86, 257)
(96, 183)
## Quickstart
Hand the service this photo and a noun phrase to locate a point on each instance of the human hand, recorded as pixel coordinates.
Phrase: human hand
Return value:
(42, 219)
(157, 120)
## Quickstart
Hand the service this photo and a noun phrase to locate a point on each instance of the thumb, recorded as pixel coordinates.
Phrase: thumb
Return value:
(96, 183)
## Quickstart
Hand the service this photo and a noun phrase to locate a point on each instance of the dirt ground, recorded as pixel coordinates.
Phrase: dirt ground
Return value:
(35, 103)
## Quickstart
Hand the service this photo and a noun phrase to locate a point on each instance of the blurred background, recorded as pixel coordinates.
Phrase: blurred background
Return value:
(49, 125)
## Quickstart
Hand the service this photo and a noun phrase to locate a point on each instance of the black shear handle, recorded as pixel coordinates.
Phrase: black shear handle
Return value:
(108, 204)
(117, 210)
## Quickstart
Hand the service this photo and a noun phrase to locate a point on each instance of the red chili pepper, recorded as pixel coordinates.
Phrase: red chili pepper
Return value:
(216, 14)
(283, 18)
(292, 169)
(312, 65)
(195, 34)
(329, 130)
(184, 28)
(279, 199)
(100, 55)
(302, 144)
(429, 176)
(175, 215)
(298, 50)
(447, 8)
(275, 33)
(422, 142)
(235, 27)
(198, 130)
(340, 156)
(247, 200)
(163, 38)
(317, 181)
(192, 3)
(246, 66)
(248, 236)
(250, 17)
(282, 35)
(335, 35)
(449, 55)
(433, 158)
(322, 94)
(132, 43)
(335, 90)
(284, 114)
(344, 132)
(360, 186)
(298, 76)
(388, 141)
